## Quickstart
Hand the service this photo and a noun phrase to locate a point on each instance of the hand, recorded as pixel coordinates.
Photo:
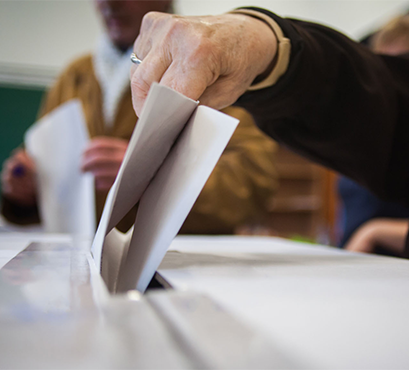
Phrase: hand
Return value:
(213, 58)
(363, 239)
(19, 179)
(390, 234)
(103, 158)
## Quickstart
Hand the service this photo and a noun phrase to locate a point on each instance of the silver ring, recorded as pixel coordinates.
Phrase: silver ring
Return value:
(135, 59)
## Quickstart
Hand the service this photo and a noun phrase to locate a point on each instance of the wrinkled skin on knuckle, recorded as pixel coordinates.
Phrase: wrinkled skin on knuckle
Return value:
(192, 62)
(176, 26)
(149, 20)
(151, 29)
(165, 28)
(205, 56)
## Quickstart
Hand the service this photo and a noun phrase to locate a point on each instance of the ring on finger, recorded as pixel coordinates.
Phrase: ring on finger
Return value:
(135, 59)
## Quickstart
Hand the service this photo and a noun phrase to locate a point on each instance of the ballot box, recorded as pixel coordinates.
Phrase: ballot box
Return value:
(56, 312)
(228, 302)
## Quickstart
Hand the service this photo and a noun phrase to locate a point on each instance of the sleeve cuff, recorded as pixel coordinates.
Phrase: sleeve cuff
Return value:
(283, 49)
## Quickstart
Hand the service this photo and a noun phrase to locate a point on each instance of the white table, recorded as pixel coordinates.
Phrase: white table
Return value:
(324, 307)
(281, 303)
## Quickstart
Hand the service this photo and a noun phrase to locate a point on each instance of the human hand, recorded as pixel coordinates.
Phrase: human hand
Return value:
(213, 59)
(18, 178)
(363, 239)
(390, 234)
(103, 158)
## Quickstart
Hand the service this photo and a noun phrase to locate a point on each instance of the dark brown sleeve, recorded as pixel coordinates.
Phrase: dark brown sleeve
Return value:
(342, 106)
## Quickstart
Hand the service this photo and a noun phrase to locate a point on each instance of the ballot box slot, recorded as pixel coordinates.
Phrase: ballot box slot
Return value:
(159, 282)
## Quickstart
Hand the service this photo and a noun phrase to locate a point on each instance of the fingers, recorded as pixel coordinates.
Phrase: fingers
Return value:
(107, 143)
(180, 75)
(362, 240)
(18, 178)
(101, 163)
(21, 158)
(154, 63)
(103, 158)
(143, 76)
(176, 75)
(184, 67)
(222, 94)
(187, 79)
(20, 165)
(211, 59)
(104, 167)
(104, 171)
(104, 183)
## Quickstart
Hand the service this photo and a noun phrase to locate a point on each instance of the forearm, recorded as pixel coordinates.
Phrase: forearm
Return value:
(384, 233)
(391, 234)
(336, 103)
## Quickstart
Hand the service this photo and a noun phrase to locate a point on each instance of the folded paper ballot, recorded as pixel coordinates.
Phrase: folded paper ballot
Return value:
(65, 195)
(171, 154)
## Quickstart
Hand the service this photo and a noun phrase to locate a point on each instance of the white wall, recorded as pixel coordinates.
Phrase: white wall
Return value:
(353, 17)
(40, 37)
(45, 33)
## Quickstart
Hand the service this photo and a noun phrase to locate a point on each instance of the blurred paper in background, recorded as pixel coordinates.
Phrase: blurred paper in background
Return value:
(65, 194)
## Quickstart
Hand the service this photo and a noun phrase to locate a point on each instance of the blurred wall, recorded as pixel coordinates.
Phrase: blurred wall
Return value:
(18, 110)
(38, 38)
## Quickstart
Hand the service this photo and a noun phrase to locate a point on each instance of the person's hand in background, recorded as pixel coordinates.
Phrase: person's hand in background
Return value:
(213, 59)
(390, 234)
(103, 158)
(18, 179)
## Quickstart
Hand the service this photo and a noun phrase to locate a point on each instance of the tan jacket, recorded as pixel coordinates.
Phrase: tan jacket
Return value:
(237, 190)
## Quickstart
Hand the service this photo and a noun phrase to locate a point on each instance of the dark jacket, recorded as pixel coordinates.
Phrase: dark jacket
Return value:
(342, 106)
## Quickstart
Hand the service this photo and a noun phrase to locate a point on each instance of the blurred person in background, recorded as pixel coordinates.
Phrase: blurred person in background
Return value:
(370, 224)
(236, 192)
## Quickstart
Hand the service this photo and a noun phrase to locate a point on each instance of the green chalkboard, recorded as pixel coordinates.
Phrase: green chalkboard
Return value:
(18, 110)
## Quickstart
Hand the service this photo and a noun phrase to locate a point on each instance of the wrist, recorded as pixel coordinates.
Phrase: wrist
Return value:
(280, 45)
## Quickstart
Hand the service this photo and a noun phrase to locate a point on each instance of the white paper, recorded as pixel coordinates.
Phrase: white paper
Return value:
(164, 115)
(170, 191)
(154, 135)
(65, 195)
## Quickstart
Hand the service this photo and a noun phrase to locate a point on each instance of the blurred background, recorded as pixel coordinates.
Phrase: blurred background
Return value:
(38, 38)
